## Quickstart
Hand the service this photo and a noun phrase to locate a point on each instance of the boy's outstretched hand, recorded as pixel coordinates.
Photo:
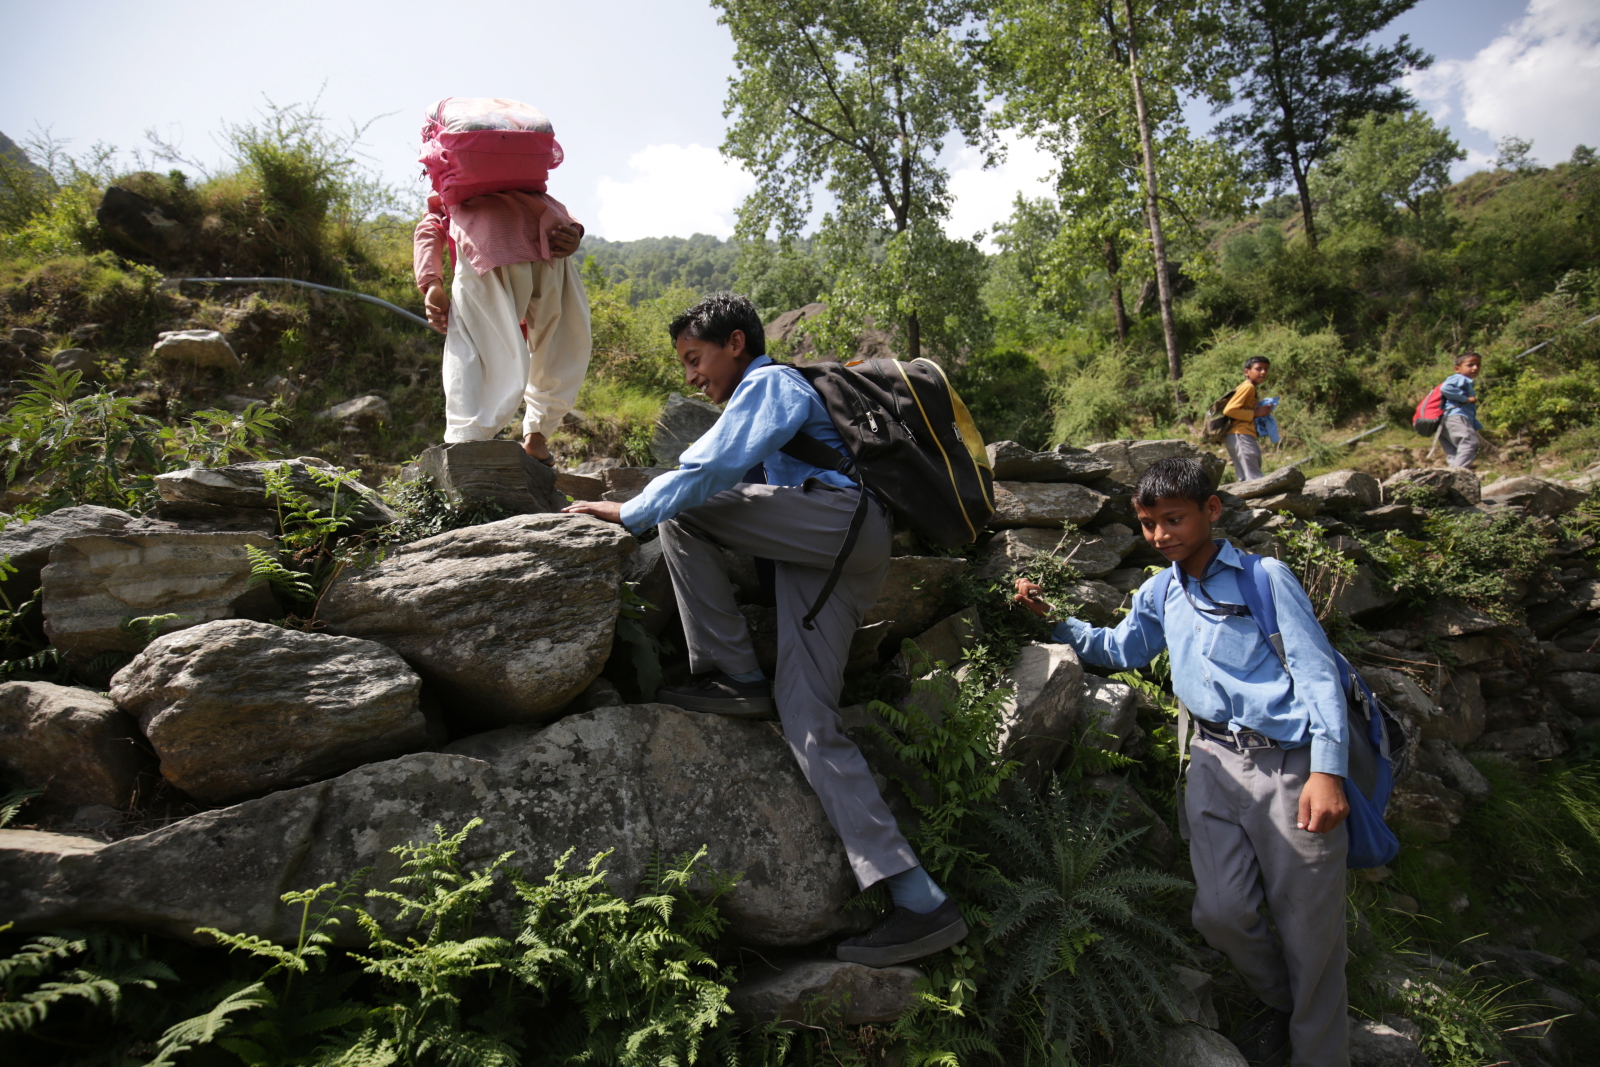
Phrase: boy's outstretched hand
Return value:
(564, 240)
(1322, 803)
(1028, 597)
(609, 510)
(437, 305)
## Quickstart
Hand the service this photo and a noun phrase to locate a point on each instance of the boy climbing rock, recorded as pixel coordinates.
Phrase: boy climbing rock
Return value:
(1264, 806)
(734, 489)
(516, 318)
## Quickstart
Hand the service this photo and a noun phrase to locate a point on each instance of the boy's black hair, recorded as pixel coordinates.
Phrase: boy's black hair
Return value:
(1464, 356)
(715, 318)
(1175, 477)
(1253, 360)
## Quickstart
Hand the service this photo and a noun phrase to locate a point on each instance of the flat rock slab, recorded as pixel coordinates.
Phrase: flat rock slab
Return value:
(1378, 1045)
(1339, 492)
(1450, 617)
(640, 780)
(1039, 718)
(509, 620)
(27, 544)
(1366, 594)
(492, 472)
(1011, 550)
(1192, 1045)
(1536, 742)
(1012, 462)
(200, 491)
(96, 581)
(197, 348)
(1109, 713)
(912, 594)
(1299, 505)
(236, 708)
(684, 420)
(847, 993)
(72, 743)
(625, 483)
(1282, 480)
(1049, 504)
(1576, 691)
(363, 410)
(1536, 496)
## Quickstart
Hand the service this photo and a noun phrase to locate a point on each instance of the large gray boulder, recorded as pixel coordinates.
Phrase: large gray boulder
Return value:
(492, 472)
(912, 594)
(1423, 804)
(1283, 480)
(1012, 462)
(1458, 486)
(201, 492)
(1365, 594)
(829, 990)
(27, 545)
(684, 420)
(235, 708)
(95, 582)
(1039, 718)
(72, 743)
(1535, 742)
(509, 620)
(1340, 492)
(1011, 550)
(639, 780)
(196, 348)
(1044, 504)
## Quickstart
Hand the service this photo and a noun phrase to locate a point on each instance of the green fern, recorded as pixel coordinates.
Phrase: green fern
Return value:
(11, 806)
(104, 966)
(1079, 943)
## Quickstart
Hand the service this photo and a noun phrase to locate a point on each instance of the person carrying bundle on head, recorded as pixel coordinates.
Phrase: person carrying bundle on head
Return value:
(515, 318)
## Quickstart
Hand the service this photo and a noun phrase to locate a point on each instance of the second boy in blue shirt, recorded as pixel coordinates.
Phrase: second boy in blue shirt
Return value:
(1264, 805)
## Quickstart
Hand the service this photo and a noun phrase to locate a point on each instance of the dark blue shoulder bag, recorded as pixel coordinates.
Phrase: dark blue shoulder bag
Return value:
(1374, 733)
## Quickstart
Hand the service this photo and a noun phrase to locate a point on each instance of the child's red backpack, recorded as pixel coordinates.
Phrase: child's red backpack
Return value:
(1429, 412)
(476, 145)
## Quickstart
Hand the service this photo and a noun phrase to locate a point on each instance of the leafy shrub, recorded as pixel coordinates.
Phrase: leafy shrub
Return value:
(1466, 555)
(1310, 370)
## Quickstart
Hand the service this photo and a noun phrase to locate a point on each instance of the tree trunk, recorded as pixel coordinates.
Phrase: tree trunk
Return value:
(913, 336)
(1114, 278)
(1153, 214)
(1304, 189)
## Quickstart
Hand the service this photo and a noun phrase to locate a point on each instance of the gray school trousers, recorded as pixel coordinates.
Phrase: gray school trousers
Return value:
(1245, 451)
(1241, 809)
(1460, 440)
(800, 529)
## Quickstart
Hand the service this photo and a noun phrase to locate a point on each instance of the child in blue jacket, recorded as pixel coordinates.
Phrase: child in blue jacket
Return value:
(736, 490)
(1264, 804)
(1461, 426)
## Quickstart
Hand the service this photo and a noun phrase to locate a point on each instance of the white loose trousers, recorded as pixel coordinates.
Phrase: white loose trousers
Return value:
(490, 369)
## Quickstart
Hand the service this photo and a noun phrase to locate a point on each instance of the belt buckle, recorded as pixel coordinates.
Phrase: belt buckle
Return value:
(1248, 738)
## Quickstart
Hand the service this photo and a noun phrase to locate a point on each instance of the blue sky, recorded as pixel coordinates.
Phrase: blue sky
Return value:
(635, 89)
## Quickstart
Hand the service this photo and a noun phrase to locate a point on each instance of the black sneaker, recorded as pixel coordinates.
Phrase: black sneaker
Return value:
(1263, 1039)
(905, 935)
(717, 694)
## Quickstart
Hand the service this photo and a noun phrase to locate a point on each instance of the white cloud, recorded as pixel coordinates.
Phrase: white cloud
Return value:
(674, 189)
(981, 198)
(1539, 81)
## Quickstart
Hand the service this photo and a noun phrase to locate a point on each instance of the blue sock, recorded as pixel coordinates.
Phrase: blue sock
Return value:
(757, 675)
(914, 890)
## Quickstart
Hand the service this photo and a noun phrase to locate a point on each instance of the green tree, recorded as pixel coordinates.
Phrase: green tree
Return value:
(1305, 72)
(1384, 163)
(1098, 81)
(861, 97)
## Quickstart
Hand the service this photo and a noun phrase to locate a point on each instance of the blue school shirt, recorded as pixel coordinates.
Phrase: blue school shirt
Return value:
(1455, 391)
(1223, 669)
(768, 407)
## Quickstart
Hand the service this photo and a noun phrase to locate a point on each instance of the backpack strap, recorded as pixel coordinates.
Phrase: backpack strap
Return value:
(808, 449)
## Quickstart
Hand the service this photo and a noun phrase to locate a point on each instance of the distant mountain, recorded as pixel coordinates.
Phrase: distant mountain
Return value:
(15, 154)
